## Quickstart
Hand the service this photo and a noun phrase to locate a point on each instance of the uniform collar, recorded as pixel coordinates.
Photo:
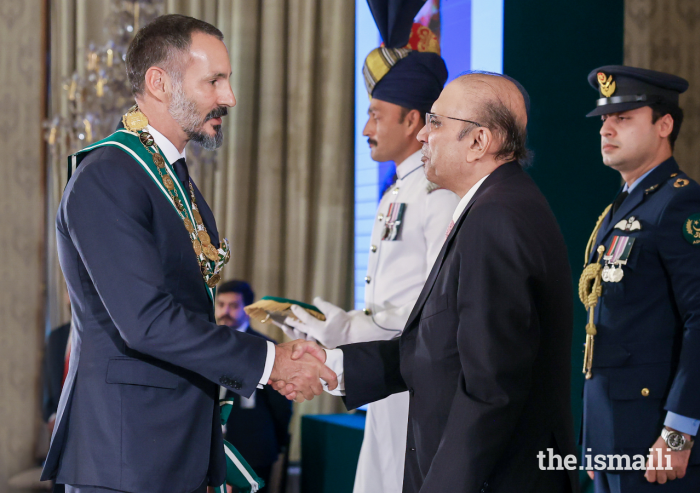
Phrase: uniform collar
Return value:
(409, 165)
(168, 148)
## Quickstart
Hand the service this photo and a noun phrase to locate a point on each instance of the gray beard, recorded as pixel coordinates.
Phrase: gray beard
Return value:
(184, 112)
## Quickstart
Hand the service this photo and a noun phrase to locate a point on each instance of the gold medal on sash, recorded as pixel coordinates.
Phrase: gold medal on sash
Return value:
(168, 182)
(197, 247)
(204, 237)
(188, 225)
(211, 252)
(213, 280)
(159, 161)
(197, 216)
(134, 120)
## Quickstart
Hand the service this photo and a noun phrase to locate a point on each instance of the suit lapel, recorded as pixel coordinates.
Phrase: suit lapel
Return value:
(497, 176)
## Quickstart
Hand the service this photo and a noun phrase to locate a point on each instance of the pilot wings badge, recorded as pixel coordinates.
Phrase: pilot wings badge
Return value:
(631, 224)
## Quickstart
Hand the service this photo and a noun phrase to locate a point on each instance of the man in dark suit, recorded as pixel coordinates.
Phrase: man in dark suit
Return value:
(641, 394)
(140, 252)
(258, 425)
(486, 352)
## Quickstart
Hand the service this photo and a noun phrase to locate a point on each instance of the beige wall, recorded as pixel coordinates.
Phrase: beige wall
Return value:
(22, 224)
(665, 35)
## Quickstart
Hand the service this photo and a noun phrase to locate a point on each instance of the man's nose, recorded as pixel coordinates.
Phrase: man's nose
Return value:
(227, 98)
(606, 130)
(366, 132)
(423, 135)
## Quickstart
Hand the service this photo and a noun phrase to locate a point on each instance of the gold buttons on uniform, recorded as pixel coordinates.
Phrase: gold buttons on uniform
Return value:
(368, 279)
(367, 311)
(645, 392)
(380, 217)
(395, 191)
(373, 248)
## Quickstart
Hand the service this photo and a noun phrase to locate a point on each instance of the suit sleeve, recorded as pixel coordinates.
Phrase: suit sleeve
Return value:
(682, 262)
(372, 371)
(108, 217)
(497, 343)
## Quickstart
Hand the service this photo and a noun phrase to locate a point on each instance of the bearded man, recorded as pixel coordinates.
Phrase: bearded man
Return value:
(141, 255)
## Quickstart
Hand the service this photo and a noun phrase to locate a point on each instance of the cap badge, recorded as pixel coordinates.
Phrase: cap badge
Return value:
(607, 85)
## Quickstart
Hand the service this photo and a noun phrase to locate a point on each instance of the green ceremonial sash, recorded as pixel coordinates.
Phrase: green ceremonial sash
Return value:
(238, 472)
(129, 142)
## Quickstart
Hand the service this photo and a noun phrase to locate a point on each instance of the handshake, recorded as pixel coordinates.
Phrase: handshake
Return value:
(298, 370)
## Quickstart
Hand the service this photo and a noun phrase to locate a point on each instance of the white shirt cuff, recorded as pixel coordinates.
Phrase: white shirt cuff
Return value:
(334, 361)
(269, 363)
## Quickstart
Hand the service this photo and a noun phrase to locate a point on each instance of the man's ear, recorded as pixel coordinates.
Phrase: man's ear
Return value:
(478, 141)
(665, 125)
(413, 121)
(155, 83)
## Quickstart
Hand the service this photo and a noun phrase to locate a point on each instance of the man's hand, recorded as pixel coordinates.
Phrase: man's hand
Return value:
(302, 350)
(298, 370)
(657, 473)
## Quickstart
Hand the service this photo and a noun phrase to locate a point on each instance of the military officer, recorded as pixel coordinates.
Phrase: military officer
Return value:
(641, 287)
(403, 80)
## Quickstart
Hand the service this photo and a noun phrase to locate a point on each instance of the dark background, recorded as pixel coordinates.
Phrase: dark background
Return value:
(550, 46)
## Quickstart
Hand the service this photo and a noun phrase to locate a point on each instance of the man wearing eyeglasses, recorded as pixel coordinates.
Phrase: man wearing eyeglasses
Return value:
(486, 352)
(408, 232)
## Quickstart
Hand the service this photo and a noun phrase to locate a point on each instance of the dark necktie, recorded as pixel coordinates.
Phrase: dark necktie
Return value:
(618, 201)
(180, 167)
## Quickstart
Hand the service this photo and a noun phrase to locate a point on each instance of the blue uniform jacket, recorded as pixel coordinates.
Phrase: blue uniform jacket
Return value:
(139, 411)
(646, 358)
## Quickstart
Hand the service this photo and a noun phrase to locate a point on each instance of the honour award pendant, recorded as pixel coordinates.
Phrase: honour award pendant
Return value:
(134, 120)
(606, 274)
(616, 275)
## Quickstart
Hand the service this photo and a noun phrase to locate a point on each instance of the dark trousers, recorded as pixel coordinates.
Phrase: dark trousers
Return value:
(635, 482)
(96, 489)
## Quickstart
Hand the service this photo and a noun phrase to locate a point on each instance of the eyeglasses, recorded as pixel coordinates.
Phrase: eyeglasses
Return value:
(433, 121)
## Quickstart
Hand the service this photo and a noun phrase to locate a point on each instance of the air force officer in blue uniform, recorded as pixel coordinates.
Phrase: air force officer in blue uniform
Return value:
(643, 369)
(139, 408)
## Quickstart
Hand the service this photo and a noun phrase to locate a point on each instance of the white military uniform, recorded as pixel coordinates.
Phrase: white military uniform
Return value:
(396, 272)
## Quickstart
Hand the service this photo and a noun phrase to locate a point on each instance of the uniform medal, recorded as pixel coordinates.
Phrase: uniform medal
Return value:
(616, 256)
(394, 217)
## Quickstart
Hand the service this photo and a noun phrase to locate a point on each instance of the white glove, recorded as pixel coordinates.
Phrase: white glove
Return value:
(290, 331)
(340, 327)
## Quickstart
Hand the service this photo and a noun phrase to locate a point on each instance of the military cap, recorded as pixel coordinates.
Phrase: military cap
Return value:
(624, 88)
(407, 68)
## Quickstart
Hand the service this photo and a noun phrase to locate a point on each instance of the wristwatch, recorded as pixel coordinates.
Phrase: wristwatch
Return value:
(676, 441)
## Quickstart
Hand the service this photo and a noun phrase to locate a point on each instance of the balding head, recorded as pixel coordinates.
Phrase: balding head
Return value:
(493, 110)
(500, 106)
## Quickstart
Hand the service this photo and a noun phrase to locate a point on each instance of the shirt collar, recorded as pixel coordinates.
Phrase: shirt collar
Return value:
(465, 200)
(409, 165)
(629, 189)
(168, 148)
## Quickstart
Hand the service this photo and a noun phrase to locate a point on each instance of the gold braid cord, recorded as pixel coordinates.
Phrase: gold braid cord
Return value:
(590, 289)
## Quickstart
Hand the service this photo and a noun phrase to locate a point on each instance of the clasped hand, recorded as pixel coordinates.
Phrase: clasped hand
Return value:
(298, 370)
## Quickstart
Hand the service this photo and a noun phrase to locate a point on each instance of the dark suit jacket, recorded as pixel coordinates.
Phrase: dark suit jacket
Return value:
(53, 367)
(486, 352)
(139, 409)
(648, 323)
(259, 433)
